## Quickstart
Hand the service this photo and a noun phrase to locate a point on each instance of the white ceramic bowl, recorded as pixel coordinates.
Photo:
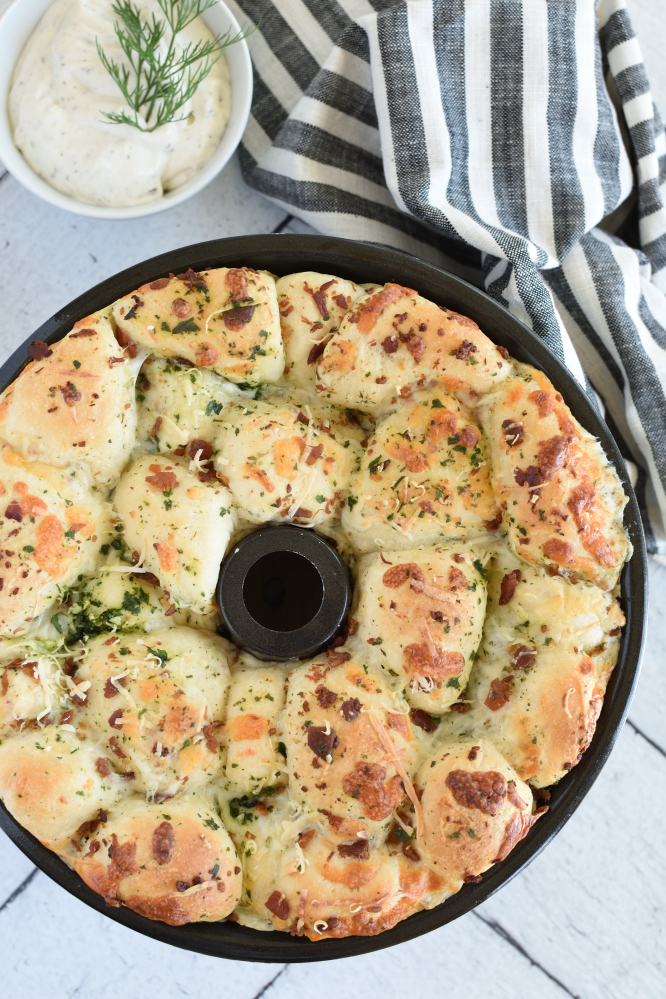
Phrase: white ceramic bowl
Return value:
(16, 26)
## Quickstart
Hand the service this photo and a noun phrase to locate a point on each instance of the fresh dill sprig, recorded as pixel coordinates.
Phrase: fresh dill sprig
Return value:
(159, 80)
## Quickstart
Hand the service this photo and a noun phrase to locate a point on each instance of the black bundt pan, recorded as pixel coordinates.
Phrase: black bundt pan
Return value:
(364, 262)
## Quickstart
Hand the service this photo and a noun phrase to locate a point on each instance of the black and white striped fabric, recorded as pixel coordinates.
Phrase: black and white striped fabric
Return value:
(511, 135)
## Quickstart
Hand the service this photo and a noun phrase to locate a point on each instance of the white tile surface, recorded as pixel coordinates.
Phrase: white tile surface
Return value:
(586, 919)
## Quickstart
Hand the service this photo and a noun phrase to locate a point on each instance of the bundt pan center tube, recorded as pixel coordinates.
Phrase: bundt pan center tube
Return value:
(283, 593)
(263, 582)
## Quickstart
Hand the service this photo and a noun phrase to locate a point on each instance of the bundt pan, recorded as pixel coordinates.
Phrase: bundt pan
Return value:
(363, 262)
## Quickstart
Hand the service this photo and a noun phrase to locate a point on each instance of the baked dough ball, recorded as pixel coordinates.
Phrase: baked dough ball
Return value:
(562, 499)
(419, 616)
(178, 402)
(280, 467)
(51, 530)
(253, 730)
(181, 521)
(173, 861)
(156, 704)
(475, 809)
(527, 605)
(225, 319)
(50, 783)
(75, 403)
(311, 307)
(394, 341)
(423, 478)
(540, 707)
(322, 890)
(349, 741)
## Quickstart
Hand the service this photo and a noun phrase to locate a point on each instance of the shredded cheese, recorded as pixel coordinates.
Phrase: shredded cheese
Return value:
(386, 740)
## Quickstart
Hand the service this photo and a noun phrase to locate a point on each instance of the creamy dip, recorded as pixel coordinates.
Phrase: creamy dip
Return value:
(60, 89)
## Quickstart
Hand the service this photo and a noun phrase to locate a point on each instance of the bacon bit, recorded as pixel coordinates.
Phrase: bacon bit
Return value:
(464, 350)
(115, 748)
(163, 843)
(315, 454)
(494, 524)
(278, 905)
(530, 476)
(84, 332)
(508, 586)
(132, 312)
(336, 657)
(70, 394)
(499, 693)
(38, 350)
(116, 360)
(212, 745)
(321, 742)
(316, 351)
(67, 716)
(160, 283)
(110, 689)
(305, 838)
(13, 512)
(237, 319)
(358, 850)
(457, 579)
(423, 720)
(194, 280)
(162, 480)
(523, 657)
(156, 427)
(303, 514)
(325, 697)
(351, 708)
(115, 717)
(503, 351)
(513, 432)
(103, 767)
(416, 346)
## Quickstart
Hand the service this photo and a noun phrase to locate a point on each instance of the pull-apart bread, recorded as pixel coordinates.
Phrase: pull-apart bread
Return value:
(183, 778)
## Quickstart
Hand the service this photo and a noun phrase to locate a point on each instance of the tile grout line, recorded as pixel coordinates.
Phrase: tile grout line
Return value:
(506, 936)
(21, 888)
(268, 985)
(637, 730)
(284, 223)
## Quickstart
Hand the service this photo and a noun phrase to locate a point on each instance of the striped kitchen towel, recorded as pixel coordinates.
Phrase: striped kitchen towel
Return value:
(486, 131)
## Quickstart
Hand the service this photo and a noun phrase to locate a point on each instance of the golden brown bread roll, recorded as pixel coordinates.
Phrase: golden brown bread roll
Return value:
(52, 783)
(394, 341)
(156, 705)
(179, 517)
(561, 498)
(174, 862)
(312, 306)
(52, 526)
(475, 809)
(75, 404)
(418, 615)
(423, 479)
(225, 319)
(281, 467)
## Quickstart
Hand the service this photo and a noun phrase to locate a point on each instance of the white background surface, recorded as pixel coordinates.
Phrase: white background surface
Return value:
(586, 919)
